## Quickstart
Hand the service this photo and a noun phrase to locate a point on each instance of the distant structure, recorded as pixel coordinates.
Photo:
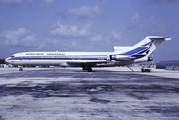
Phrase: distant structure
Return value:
(170, 65)
(2, 61)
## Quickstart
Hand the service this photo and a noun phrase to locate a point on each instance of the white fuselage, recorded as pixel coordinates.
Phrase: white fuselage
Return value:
(51, 58)
(63, 58)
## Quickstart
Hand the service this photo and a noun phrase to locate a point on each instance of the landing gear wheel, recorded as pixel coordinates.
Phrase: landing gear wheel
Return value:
(90, 70)
(20, 69)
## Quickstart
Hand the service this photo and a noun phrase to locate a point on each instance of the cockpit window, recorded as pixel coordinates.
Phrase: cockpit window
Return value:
(12, 56)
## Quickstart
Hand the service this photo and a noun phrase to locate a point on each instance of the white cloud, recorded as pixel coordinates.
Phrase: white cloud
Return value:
(11, 2)
(46, 3)
(97, 38)
(116, 35)
(19, 38)
(70, 31)
(83, 12)
(152, 25)
(135, 19)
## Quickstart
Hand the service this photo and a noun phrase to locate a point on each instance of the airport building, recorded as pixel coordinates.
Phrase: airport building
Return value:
(2, 62)
(170, 65)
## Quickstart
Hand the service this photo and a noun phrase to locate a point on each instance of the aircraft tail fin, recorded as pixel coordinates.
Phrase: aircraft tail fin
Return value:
(142, 50)
(152, 42)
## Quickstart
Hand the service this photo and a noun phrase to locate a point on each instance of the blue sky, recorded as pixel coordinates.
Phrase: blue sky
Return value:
(87, 25)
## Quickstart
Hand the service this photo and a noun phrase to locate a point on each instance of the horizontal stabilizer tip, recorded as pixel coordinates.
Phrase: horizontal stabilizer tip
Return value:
(159, 38)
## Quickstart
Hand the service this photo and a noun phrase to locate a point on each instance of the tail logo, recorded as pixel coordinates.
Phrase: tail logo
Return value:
(141, 51)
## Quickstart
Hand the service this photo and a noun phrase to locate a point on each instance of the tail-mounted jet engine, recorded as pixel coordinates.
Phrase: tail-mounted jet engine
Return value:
(119, 57)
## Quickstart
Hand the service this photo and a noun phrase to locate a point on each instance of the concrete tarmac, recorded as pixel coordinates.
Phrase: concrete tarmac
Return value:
(72, 94)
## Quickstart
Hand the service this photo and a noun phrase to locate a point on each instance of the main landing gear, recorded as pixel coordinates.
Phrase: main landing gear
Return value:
(20, 68)
(88, 68)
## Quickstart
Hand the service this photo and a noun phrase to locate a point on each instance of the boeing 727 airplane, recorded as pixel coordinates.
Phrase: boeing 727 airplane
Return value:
(122, 56)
